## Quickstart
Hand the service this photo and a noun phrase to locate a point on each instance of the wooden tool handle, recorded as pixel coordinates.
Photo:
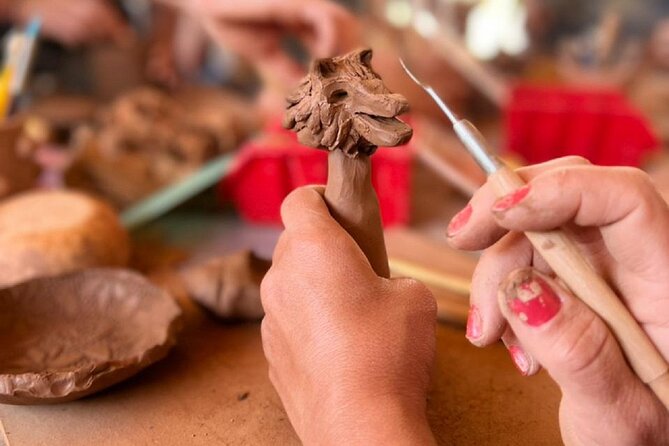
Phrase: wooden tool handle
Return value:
(564, 257)
(352, 202)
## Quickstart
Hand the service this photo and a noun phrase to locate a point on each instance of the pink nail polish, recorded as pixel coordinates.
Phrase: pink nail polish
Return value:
(459, 221)
(532, 300)
(520, 359)
(511, 200)
(474, 325)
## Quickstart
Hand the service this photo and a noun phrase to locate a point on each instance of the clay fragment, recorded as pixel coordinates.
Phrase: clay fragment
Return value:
(69, 336)
(46, 233)
(229, 286)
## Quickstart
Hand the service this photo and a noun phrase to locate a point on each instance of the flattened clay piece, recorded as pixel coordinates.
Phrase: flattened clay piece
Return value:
(229, 286)
(70, 336)
(44, 233)
(343, 106)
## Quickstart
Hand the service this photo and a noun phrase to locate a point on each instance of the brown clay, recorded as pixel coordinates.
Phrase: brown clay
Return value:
(229, 286)
(343, 106)
(18, 171)
(46, 233)
(70, 336)
(148, 139)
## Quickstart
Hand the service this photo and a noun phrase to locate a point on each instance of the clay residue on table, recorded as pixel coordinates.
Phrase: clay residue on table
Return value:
(229, 286)
(69, 336)
(343, 104)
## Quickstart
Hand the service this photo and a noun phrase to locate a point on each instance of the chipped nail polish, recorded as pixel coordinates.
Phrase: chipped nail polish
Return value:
(520, 359)
(474, 325)
(459, 221)
(511, 200)
(531, 299)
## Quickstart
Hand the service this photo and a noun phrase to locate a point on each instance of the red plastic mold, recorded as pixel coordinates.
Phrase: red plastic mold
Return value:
(269, 168)
(543, 123)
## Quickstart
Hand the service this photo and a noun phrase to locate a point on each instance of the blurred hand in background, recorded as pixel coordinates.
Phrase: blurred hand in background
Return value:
(73, 22)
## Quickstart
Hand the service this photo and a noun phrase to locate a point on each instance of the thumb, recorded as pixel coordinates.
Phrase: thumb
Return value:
(566, 337)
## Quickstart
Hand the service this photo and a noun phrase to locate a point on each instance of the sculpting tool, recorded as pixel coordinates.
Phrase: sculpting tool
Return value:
(172, 196)
(564, 257)
(5, 95)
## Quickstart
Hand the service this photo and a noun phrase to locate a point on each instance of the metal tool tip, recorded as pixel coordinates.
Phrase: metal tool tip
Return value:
(429, 90)
(411, 75)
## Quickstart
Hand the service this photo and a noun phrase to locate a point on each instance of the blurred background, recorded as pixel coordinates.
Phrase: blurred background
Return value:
(149, 104)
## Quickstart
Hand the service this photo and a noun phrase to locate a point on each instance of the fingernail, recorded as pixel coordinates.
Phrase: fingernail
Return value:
(529, 297)
(511, 200)
(520, 359)
(459, 221)
(474, 330)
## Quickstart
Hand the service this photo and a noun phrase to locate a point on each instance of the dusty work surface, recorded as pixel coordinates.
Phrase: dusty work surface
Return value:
(213, 390)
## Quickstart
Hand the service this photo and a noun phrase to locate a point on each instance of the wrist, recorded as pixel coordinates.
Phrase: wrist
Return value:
(384, 420)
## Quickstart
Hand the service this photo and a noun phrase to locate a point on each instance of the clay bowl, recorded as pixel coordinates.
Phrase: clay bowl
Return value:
(69, 336)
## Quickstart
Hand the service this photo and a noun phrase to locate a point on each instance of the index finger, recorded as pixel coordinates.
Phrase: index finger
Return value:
(481, 230)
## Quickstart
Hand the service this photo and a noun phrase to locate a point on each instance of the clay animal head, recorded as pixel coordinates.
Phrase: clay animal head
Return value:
(343, 104)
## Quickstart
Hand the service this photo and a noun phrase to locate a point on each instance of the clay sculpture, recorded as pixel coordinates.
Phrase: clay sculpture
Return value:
(69, 336)
(148, 139)
(229, 286)
(343, 106)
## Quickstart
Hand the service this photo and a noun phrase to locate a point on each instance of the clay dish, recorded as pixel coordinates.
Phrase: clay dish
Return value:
(69, 336)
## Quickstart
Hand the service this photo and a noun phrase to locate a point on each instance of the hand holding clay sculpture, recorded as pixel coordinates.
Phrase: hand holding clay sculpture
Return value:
(343, 106)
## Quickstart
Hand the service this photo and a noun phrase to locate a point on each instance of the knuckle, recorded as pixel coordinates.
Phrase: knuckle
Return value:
(640, 179)
(577, 160)
(423, 300)
(581, 348)
(268, 289)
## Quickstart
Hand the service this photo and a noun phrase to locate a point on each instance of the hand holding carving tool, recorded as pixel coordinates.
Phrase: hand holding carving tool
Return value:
(564, 257)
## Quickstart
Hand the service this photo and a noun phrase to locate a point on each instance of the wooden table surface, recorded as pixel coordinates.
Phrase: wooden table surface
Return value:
(213, 389)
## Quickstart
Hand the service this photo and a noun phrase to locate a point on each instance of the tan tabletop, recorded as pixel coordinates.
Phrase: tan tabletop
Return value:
(213, 390)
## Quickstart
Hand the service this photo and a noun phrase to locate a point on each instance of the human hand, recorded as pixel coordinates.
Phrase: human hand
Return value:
(161, 65)
(254, 29)
(73, 22)
(349, 353)
(621, 224)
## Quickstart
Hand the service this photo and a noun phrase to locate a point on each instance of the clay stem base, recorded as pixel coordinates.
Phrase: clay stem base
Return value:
(353, 203)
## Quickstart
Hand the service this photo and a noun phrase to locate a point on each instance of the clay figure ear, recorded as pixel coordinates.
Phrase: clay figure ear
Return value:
(365, 57)
(322, 67)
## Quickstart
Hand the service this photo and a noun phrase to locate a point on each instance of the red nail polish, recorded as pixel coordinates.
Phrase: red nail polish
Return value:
(520, 359)
(459, 221)
(511, 200)
(532, 300)
(474, 330)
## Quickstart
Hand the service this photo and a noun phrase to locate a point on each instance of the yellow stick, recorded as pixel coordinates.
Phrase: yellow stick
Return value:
(5, 96)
